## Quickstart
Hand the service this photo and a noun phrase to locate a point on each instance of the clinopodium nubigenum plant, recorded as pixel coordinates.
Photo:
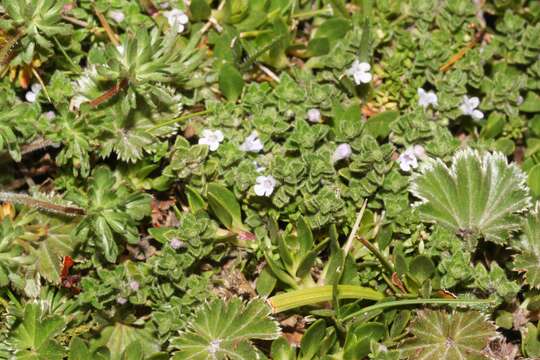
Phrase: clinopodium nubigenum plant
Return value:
(345, 179)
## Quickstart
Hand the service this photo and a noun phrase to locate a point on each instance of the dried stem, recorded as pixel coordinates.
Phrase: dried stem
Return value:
(27, 200)
(109, 93)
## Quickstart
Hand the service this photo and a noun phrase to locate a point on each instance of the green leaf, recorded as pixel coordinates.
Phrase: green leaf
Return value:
(531, 342)
(304, 236)
(531, 103)
(533, 180)
(281, 350)
(479, 195)
(119, 337)
(225, 206)
(528, 260)
(311, 341)
(314, 295)
(421, 268)
(231, 82)
(195, 200)
(447, 336)
(200, 10)
(34, 337)
(378, 125)
(224, 330)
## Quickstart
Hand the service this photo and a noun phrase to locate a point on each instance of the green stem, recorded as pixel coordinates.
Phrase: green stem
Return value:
(318, 294)
(308, 14)
(179, 119)
(375, 251)
(63, 51)
(388, 304)
(254, 33)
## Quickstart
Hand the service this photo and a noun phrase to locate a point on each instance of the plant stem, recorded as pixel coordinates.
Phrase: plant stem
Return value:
(179, 119)
(375, 251)
(109, 93)
(110, 33)
(354, 229)
(388, 304)
(308, 14)
(318, 294)
(41, 204)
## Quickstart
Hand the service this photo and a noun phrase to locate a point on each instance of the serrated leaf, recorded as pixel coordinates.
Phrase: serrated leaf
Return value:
(119, 337)
(479, 195)
(34, 337)
(448, 336)
(528, 261)
(223, 330)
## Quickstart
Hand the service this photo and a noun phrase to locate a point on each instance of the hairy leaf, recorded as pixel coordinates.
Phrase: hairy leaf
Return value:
(479, 195)
(528, 261)
(442, 336)
(223, 330)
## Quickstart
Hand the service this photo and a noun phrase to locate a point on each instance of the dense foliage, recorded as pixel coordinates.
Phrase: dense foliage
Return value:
(284, 179)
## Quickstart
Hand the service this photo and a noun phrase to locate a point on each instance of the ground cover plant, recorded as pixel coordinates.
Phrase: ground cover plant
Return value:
(281, 179)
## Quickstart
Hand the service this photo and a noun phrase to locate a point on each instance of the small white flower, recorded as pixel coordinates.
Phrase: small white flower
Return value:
(343, 151)
(264, 185)
(211, 138)
(469, 105)
(407, 160)
(49, 115)
(519, 100)
(419, 151)
(359, 71)
(177, 19)
(258, 168)
(314, 115)
(32, 94)
(120, 49)
(176, 244)
(427, 98)
(164, 5)
(121, 300)
(214, 347)
(117, 15)
(252, 143)
(134, 285)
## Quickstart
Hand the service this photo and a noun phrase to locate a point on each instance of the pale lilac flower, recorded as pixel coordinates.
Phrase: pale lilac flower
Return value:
(134, 285)
(212, 138)
(469, 105)
(252, 143)
(121, 300)
(427, 98)
(117, 15)
(49, 115)
(419, 151)
(258, 168)
(407, 160)
(214, 347)
(314, 115)
(343, 151)
(177, 19)
(359, 71)
(32, 94)
(176, 244)
(264, 185)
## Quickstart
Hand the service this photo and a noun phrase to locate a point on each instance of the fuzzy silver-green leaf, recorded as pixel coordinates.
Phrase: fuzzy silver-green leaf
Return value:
(528, 261)
(480, 194)
(222, 330)
(448, 336)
